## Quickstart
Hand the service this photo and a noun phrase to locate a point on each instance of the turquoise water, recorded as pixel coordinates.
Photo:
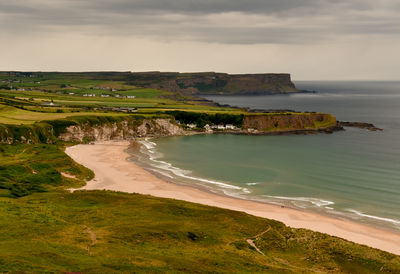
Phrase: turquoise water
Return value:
(351, 174)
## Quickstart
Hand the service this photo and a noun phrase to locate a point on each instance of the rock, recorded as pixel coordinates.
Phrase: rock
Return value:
(123, 130)
(367, 126)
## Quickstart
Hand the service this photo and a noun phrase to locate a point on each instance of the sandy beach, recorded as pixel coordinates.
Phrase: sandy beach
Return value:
(114, 172)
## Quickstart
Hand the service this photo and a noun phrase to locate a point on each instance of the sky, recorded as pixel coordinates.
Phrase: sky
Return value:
(311, 39)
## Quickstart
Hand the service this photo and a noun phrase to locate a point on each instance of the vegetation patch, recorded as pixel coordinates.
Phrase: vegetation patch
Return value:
(109, 232)
(26, 169)
(201, 119)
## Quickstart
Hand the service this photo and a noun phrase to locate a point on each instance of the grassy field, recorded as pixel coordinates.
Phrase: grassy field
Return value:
(49, 229)
(12, 115)
(67, 91)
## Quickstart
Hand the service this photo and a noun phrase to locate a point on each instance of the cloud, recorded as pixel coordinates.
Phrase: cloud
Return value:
(312, 39)
(211, 21)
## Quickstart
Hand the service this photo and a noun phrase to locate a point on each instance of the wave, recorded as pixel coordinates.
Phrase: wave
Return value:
(393, 221)
(159, 164)
(313, 201)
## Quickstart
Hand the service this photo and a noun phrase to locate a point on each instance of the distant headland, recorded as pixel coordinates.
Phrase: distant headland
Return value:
(199, 83)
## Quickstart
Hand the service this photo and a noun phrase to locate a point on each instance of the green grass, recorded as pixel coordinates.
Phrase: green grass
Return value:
(47, 232)
(17, 116)
(56, 86)
(25, 169)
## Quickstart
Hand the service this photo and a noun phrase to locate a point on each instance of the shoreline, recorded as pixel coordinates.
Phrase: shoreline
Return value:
(114, 172)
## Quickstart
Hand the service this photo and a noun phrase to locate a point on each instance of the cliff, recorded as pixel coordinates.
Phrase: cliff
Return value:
(290, 122)
(103, 128)
(90, 128)
(216, 83)
(123, 130)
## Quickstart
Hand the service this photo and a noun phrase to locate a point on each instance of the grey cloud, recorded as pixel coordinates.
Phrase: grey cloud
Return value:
(218, 21)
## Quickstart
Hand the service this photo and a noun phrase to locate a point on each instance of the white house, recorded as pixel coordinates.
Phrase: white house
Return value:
(191, 125)
(229, 126)
(48, 104)
(130, 96)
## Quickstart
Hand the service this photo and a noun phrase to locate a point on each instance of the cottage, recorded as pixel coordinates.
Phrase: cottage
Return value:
(48, 104)
(229, 126)
(127, 109)
(191, 125)
(130, 96)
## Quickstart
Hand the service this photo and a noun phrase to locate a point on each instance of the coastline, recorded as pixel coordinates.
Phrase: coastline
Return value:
(114, 172)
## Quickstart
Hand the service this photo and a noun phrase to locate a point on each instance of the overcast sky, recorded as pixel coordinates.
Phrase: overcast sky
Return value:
(311, 39)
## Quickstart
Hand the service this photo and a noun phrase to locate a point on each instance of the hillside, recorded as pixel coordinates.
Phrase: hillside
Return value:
(49, 229)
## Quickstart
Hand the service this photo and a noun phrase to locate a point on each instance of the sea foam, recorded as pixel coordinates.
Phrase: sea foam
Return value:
(393, 221)
(168, 167)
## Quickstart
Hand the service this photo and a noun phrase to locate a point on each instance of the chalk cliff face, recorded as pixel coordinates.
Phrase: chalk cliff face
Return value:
(120, 131)
(216, 83)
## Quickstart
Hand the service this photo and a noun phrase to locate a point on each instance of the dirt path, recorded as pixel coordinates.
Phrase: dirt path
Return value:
(68, 175)
(92, 238)
(250, 241)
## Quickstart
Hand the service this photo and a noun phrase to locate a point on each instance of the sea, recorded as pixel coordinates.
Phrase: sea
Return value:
(352, 174)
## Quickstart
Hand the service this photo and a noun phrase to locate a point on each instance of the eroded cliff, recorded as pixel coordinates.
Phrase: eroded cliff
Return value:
(290, 122)
(88, 129)
(123, 130)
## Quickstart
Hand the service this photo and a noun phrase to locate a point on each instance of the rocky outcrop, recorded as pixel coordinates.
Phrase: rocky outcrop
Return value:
(120, 131)
(367, 126)
(291, 122)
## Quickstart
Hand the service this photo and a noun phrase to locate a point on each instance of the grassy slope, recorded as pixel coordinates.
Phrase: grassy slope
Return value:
(26, 169)
(54, 231)
(48, 232)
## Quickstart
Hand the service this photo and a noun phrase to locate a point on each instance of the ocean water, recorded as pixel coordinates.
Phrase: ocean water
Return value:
(353, 174)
